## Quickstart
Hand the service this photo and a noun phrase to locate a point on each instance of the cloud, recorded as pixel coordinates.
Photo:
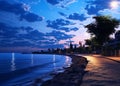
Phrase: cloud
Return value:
(61, 24)
(29, 1)
(52, 46)
(74, 29)
(21, 27)
(14, 8)
(5, 32)
(58, 35)
(53, 2)
(62, 14)
(110, 12)
(61, 3)
(28, 37)
(30, 17)
(76, 16)
(58, 22)
(19, 9)
(94, 6)
(19, 37)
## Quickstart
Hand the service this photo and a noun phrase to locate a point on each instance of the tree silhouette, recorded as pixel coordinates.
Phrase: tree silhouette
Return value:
(102, 28)
(117, 35)
(93, 44)
(88, 42)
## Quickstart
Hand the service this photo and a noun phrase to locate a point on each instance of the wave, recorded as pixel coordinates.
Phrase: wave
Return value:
(10, 75)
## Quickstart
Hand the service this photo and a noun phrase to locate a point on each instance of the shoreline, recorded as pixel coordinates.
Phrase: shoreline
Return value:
(72, 76)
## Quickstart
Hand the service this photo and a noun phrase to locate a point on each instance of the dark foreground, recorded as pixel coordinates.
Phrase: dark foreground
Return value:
(72, 76)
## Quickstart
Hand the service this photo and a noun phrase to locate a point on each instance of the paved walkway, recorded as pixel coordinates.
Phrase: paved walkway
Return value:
(102, 71)
(117, 59)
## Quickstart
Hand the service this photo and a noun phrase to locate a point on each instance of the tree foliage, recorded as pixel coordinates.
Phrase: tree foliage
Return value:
(102, 28)
(117, 35)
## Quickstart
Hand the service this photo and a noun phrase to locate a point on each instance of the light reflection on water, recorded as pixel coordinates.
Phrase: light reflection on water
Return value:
(38, 64)
(13, 65)
(54, 62)
(15, 61)
(32, 61)
(67, 61)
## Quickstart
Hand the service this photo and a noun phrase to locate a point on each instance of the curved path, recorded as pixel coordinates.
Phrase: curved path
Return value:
(101, 72)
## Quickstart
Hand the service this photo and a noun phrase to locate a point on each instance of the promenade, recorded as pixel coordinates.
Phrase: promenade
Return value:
(102, 71)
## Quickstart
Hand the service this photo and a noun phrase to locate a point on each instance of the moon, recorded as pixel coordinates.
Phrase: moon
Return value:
(114, 4)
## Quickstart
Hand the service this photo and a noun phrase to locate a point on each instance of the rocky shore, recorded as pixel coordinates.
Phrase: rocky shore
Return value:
(72, 76)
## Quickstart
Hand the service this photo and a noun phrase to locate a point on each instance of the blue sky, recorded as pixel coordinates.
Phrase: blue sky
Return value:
(28, 25)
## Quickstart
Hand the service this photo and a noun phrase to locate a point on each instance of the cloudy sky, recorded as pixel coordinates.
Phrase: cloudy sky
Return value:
(27, 25)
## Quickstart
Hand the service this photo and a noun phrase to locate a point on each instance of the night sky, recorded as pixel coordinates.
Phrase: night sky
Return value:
(28, 25)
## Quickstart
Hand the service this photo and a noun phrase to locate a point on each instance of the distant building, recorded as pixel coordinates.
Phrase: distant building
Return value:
(112, 48)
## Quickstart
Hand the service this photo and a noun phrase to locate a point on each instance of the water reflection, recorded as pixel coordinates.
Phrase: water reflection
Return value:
(13, 67)
(54, 58)
(68, 61)
(54, 63)
(32, 62)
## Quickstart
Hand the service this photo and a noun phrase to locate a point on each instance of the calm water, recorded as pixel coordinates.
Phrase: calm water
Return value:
(22, 69)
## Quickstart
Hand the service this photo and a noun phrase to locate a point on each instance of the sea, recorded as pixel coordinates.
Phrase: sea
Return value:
(17, 69)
